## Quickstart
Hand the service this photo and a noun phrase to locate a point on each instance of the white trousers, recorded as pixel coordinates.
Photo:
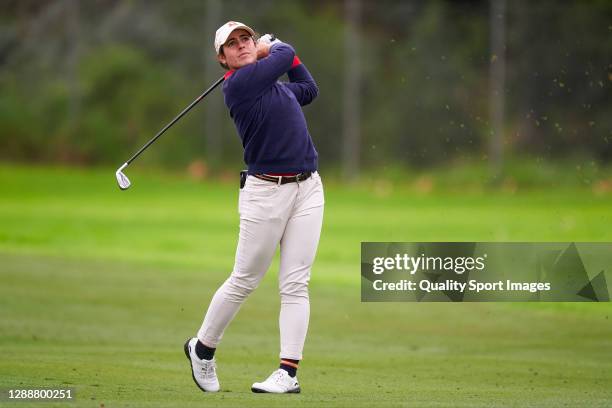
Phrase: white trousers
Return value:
(270, 214)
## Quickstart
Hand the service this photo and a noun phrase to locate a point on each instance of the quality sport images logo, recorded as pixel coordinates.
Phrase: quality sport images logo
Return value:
(484, 271)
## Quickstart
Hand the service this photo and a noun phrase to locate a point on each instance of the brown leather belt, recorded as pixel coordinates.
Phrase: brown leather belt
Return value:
(284, 179)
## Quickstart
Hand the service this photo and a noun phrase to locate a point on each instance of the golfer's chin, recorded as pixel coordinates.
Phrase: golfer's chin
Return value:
(243, 61)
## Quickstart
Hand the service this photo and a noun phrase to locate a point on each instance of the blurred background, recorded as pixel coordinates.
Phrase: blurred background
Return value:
(405, 85)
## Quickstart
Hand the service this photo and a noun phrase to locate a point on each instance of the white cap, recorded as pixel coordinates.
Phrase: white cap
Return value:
(226, 29)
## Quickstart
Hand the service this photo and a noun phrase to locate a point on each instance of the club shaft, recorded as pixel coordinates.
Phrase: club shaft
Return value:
(180, 115)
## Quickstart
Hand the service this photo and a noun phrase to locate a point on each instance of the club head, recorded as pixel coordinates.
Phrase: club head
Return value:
(122, 180)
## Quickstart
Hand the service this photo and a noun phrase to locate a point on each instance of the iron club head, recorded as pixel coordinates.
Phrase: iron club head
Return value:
(122, 180)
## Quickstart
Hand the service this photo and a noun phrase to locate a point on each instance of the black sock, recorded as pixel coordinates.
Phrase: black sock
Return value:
(204, 352)
(288, 365)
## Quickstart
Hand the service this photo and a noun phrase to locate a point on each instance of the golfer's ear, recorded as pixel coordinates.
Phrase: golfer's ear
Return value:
(222, 61)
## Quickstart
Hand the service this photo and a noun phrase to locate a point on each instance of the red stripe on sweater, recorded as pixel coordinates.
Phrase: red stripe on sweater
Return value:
(296, 62)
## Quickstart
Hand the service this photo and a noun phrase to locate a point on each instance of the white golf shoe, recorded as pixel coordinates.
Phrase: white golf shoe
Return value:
(203, 372)
(280, 382)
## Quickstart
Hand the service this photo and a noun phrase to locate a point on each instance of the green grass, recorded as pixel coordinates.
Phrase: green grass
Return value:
(100, 288)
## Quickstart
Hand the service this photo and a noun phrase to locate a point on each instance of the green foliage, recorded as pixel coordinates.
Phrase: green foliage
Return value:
(560, 78)
(124, 94)
(424, 90)
(433, 86)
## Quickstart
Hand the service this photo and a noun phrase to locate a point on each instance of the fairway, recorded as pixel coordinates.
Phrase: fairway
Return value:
(100, 288)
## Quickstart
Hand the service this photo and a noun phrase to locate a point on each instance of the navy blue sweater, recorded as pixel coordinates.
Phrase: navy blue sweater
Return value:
(268, 114)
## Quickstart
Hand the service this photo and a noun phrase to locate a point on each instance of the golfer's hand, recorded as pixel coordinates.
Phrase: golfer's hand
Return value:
(264, 43)
(269, 38)
(263, 49)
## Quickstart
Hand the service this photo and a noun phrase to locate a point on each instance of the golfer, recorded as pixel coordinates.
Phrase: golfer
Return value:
(280, 202)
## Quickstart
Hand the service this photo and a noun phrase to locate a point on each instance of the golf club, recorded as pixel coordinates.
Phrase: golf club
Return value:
(122, 180)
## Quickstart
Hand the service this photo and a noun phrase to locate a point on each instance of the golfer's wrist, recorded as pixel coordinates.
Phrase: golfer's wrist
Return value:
(263, 50)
